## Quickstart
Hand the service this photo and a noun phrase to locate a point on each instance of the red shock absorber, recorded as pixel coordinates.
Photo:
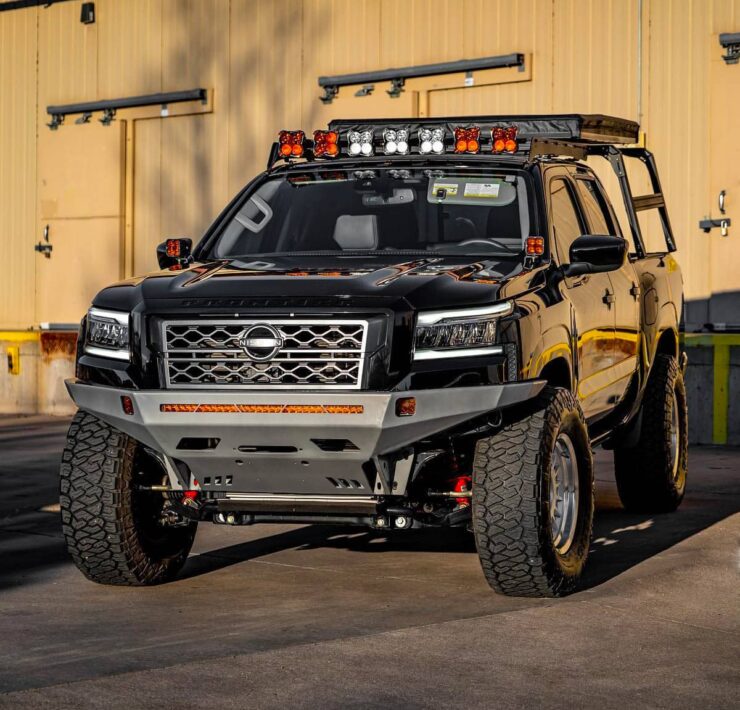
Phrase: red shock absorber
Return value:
(462, 484)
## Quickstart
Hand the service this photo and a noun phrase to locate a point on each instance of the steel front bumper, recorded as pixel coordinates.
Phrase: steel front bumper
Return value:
(267, 444)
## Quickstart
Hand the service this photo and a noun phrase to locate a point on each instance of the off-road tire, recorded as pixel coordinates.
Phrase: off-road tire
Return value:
(646, 479)
(511, 499)
(101, 517)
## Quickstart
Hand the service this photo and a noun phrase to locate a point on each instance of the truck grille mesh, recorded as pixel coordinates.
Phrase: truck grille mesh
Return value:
(264, 353)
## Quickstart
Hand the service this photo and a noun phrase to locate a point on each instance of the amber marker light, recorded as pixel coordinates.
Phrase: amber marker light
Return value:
(406, 407)
(127, 404)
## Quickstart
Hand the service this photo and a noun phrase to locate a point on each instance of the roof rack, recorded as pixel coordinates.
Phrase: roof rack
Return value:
(593, 128)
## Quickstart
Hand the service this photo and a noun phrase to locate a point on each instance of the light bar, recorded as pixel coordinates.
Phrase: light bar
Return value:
(172, 408)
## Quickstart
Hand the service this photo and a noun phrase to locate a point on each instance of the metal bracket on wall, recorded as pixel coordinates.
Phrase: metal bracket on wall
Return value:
(397, 77)
(109, 107)
(730, 42)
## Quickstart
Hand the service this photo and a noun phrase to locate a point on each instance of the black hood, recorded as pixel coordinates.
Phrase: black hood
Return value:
(358, 281)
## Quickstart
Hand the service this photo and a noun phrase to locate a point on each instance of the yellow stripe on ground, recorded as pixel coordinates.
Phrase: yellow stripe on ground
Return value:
(721, 402)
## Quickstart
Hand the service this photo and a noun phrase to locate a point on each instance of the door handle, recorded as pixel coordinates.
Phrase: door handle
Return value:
(44, 247)
(608, 297)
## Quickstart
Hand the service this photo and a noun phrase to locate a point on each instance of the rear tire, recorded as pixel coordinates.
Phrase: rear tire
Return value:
(532, 533)
(651, 477)
(112, 529)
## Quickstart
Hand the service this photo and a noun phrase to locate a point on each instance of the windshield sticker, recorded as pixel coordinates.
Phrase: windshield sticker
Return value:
(482, 189)
(450, 188)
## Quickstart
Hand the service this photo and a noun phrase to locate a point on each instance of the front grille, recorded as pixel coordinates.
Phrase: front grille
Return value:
(286, 353)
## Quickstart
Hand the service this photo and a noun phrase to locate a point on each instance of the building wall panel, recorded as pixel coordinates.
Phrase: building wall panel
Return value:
(18, 50)
(262, 59)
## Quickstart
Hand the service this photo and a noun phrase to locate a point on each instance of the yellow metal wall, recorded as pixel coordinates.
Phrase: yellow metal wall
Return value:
(262, 59)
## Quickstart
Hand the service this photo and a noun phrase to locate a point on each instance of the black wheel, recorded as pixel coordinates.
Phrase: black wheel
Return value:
(533, 499)
(651, 477)
(114, 531)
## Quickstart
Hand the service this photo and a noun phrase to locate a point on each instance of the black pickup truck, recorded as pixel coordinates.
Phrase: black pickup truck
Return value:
(399, 324)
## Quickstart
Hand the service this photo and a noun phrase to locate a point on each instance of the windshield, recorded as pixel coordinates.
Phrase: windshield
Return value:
(455, 211)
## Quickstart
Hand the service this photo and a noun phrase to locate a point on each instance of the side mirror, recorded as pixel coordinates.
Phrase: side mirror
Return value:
(174, 253)
(594, 254)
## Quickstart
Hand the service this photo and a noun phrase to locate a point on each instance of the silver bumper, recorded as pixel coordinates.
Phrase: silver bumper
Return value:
(291, 455)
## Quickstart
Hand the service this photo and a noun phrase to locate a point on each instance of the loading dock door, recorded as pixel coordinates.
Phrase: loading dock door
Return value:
(81, 211)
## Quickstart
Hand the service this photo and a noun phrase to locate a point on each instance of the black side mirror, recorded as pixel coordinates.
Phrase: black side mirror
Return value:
(594, 254)
(174, 253)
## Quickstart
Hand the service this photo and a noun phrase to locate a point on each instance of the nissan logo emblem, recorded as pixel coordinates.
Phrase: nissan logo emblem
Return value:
(260, 342)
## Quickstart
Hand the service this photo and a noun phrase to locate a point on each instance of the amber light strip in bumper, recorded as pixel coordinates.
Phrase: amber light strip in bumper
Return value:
(263, 408)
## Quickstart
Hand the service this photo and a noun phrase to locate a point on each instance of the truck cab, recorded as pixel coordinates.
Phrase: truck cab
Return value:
(399, 324)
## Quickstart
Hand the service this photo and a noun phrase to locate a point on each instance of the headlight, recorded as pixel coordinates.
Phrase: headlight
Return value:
(108, 334)
(459, 333)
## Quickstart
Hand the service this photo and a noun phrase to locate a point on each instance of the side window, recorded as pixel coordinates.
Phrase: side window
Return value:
(594, 205)
(565, 218)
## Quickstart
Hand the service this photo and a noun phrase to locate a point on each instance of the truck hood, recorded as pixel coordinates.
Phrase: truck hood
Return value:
(353, 281)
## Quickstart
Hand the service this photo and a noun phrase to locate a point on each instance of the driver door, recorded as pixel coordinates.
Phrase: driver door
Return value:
(591, 297)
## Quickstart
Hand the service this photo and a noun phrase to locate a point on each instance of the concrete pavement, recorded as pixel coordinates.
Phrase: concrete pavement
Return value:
(289, 616)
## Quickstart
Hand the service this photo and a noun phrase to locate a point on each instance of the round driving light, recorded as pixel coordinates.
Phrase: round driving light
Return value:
(391, 147)
(354, 137)
(355, 149)
(438, 146)
(425, 135)
(366, 149)
(402, 146)
(426, 146)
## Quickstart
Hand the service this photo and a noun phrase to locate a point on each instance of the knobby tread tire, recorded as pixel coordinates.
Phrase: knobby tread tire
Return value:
(96, 501)
(644, 473)
(511, 500)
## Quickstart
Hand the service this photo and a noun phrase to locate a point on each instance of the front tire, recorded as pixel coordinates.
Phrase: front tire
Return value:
(113, 530)
(533, 499)
(651, 477)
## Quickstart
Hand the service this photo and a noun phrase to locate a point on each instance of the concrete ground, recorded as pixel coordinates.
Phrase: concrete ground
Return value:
(316, 617)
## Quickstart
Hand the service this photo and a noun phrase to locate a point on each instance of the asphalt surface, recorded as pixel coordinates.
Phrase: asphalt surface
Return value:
(317, 617)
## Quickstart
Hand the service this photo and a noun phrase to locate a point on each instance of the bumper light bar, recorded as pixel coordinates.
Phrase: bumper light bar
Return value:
(262, 408)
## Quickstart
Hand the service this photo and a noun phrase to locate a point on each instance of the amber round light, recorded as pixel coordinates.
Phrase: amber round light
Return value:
(332, 137)
(332, 149)
(510, 146)
(473, 146)
(461, 146)
(499, 145)
(286, 149)
(297, 150)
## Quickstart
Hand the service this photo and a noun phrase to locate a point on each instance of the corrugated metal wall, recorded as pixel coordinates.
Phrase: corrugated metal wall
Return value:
(262, 59)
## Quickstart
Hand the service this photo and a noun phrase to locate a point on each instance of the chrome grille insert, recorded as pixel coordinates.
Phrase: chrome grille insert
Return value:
(288, 353)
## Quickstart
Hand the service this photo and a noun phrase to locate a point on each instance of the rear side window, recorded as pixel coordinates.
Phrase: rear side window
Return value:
(594, 205)
(565, 218)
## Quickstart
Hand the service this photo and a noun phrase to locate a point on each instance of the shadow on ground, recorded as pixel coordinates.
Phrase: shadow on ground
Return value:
(31, 544)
